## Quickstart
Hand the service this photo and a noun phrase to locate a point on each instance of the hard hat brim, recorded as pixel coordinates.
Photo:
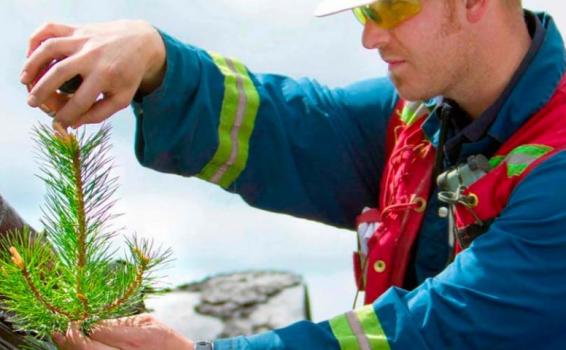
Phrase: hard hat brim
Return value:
(330, 7)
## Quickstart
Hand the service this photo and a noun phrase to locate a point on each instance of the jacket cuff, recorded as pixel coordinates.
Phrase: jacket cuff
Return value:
(180, 58)
(263, 341)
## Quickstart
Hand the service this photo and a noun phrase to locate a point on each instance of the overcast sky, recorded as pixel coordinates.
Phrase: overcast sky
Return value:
(209, 230)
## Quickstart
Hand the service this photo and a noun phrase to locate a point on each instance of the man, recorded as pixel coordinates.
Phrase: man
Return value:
(491, 78)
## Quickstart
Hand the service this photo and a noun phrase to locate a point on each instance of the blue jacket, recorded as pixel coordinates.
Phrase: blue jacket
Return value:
(297, 147)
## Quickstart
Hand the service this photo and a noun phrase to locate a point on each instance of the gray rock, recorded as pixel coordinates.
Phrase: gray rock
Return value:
(177, 309)
(233, 304)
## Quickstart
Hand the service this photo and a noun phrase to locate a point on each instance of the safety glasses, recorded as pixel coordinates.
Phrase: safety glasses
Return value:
(387, 14)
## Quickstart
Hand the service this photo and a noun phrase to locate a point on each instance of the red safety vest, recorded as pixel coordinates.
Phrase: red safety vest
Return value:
(406, 184)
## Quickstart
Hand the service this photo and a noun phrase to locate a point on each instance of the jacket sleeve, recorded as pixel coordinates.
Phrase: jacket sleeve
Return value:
(506, 291)
(284, 145)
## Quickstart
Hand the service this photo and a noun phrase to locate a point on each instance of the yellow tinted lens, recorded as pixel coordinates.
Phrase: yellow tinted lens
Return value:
(360, 16)
(390, 13)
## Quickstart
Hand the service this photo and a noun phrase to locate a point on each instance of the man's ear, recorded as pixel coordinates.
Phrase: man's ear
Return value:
(476, 9)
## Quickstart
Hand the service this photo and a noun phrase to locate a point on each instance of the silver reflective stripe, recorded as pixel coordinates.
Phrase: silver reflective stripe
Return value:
(358, 331)
(521, 159)
(242, 101)
(236, 123)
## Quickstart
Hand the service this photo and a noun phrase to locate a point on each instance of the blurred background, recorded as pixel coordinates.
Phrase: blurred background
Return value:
(209, 230)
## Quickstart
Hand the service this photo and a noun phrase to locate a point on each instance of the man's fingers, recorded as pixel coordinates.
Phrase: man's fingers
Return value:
(54, 103)
(119, 55)
(58, 74)
(48, 30)
(75, 340)
(127, 333)
(81, 101)
(102, 110)
(52, 49)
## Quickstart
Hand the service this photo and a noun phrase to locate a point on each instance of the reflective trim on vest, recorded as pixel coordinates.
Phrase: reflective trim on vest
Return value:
(237, 120)
(495, 161)
(413, 111)
(519, 159)
(359, 330)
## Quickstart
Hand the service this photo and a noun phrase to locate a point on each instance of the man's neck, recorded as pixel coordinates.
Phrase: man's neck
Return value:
(493, 68)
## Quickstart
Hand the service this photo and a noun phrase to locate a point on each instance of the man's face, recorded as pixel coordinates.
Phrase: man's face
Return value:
(427, 55)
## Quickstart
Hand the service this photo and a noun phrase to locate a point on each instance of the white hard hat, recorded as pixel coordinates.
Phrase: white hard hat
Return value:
(330, 7)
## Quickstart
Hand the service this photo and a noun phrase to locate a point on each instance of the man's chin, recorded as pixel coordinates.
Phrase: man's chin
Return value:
(410, 92)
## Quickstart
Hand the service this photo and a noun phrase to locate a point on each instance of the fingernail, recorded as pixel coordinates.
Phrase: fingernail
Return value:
(32, 101)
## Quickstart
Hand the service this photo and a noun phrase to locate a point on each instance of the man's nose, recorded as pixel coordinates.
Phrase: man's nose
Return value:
(374, 37)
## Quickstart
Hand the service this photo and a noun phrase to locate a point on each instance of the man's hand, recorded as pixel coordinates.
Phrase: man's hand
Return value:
(141, 332)
(114, 59)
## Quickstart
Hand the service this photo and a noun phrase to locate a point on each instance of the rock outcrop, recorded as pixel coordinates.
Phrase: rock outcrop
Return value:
(233, 304)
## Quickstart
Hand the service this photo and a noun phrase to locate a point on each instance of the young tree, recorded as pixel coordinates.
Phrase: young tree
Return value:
(70, 275)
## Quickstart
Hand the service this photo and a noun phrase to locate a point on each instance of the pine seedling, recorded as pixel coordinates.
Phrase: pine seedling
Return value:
(70, 275)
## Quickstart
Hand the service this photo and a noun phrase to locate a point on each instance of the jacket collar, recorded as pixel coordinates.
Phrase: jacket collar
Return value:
(531, 87)
(535, 86)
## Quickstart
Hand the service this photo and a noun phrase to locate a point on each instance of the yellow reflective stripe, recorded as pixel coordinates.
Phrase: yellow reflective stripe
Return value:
(343, 333)
(359, 330)
(372, 329)
(237, 120)
(243, 127)
(520, 158)
(534, 151)
(495, 161)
